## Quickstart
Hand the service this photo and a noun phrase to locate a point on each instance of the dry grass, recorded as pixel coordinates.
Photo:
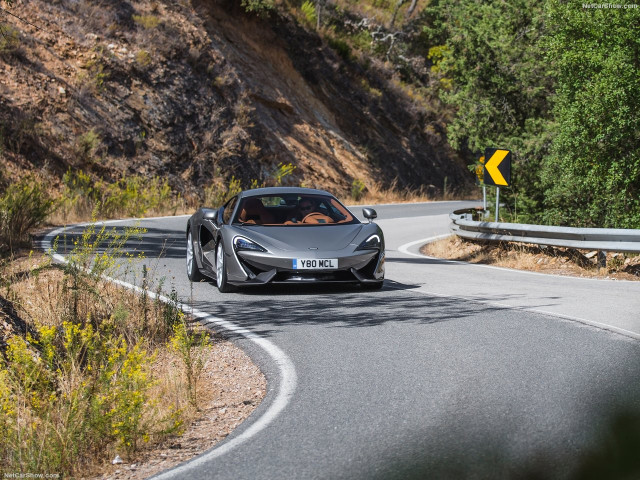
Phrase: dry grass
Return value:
(375, 193)
(230, 385)
(553, 260)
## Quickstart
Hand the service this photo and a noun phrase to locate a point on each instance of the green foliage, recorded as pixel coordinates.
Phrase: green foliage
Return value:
(95, 253)
(217, 194)
(23, 207)
(143, 58)
(309, 11)
(76, 392)
(357, 189)
(490, 67)
(132, 196)
(191, 347)
(94, 75)
(259, 7)
(146, 21)
(87, 144)
(341, 47)
(9, 39)
(281, 171)
(592, 176)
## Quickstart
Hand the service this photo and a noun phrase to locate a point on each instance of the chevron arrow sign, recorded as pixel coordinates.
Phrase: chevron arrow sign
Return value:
(497, 167)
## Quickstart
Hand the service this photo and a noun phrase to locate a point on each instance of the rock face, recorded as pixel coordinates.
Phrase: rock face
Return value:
(191, 91)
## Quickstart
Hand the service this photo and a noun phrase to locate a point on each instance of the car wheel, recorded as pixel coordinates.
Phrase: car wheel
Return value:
(193, 272)
(221, 270)
(373, 285)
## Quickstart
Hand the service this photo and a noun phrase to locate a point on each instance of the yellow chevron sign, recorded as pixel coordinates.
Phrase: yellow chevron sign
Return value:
(497, 167)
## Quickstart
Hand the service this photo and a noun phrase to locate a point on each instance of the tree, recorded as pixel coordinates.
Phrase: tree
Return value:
(592, 176)
(492, 71)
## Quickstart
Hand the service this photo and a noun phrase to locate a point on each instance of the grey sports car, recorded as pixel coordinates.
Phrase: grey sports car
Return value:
(284, 235)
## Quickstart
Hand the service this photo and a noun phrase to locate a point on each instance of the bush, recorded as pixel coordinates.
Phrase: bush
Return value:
(259, 7)
(357, 189)
(9, 39)
(78, 391)
(309, 11)
(146, 21)
(341, 47)
(24, 207)
(87, 144)
(133, 196)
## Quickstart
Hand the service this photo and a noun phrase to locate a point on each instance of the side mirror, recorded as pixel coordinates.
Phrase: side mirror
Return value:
(209, 214)
(369, 214)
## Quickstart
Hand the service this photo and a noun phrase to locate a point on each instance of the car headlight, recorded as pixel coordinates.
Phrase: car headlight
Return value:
(241, 243)
(371, 243)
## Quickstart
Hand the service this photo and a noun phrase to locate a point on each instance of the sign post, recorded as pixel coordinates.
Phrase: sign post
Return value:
(497, 171)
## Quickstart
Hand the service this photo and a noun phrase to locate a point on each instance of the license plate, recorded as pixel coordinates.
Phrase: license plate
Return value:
(314, 263)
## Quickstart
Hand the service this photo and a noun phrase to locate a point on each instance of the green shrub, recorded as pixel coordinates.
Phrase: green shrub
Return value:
(87, 145)
(94, 75)
(282, 171)
(217, 194)
(9, 39)
(146, 21)
(357, 189)
(133, 196)
(23, 207)
(341, 47)
(69, 393)
(143, 59)
(191, 347)
(309, 11)
(259, 7)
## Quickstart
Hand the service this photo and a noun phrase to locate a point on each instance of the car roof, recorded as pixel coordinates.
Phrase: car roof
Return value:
(283, 191)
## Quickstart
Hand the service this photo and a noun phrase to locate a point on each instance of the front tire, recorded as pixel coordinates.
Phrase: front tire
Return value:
(193, 272)
(221, 270)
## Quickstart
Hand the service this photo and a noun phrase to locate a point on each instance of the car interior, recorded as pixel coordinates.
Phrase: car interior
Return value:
(289, 210)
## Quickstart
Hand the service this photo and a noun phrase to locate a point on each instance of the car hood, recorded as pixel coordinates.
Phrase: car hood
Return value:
(284, 238)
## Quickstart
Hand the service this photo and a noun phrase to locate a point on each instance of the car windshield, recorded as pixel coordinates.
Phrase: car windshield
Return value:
(292, 209)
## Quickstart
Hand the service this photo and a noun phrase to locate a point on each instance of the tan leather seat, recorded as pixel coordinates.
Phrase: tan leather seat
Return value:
(253, 211)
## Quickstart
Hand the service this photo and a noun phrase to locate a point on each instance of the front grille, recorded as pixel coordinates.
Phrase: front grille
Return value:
(302, 277)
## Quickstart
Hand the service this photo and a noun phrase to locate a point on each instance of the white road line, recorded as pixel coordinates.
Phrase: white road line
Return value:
(286, 369)
(405, 249)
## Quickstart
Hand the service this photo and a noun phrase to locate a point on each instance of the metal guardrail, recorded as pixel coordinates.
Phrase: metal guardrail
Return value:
(602, 239)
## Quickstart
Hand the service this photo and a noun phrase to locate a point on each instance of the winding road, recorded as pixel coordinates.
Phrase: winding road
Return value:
(451, 371)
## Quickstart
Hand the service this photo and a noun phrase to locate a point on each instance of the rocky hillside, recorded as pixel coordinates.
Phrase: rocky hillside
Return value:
(198, 90)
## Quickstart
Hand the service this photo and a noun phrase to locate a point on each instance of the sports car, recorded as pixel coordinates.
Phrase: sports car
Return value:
(284, 235)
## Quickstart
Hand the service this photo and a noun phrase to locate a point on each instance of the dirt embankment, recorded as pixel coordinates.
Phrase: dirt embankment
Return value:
(191, 91)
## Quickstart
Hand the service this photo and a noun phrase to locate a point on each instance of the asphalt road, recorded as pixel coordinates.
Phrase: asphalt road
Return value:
(451, 371)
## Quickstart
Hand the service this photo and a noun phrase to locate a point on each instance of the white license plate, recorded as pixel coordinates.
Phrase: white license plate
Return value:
(314, 263)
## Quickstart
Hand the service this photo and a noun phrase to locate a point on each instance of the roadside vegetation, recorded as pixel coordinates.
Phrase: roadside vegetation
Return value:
(535, 258)
(88, 370)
